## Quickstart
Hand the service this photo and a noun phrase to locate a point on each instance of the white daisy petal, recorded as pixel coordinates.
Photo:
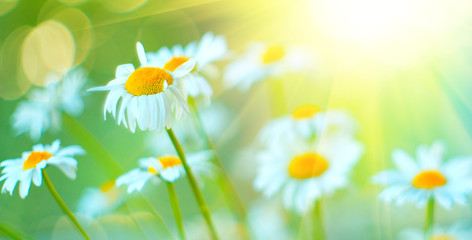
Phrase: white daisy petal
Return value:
(419, 181)
(141, 54)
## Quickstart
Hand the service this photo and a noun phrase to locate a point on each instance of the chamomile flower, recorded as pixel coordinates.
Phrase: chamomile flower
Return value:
(210, 48)
(28, 168)
(262, 61)
(98, 201)
(426, 177)
(34, 117)
(304, 171)
(457, 231)
(308, 121)
(168, 168)
(44, 106)
(149, 95)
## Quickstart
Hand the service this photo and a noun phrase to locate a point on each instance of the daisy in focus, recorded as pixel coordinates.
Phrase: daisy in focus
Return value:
(98, 201)
(305, 171)
(150, 96)
(210, 48)
(29, 167)
(262, 61)
(168, 168)
(457, 231)
(308, 121)
(427, 176)
(42, 110)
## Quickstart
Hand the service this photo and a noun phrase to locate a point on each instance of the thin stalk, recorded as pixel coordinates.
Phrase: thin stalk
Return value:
(193, 183)
(174, 202)
(9, 232)
(104, 159)
(429, 220)
(231, 195)
(62, 205)
(318, 229)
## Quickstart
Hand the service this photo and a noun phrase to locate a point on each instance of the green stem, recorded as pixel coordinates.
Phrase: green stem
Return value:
(231, 195)
(62, 205)
(104, 159)
(318, 228)
(11, 232)
(193, 183)
(174, 202)
(429, 221)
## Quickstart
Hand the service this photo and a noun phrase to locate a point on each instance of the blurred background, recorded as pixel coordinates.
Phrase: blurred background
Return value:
(401, 68)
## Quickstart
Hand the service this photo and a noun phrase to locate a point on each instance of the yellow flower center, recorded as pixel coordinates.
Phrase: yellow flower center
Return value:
(307, 165)
(273, 54)
(175, 62)
(429, 179)
(152, 170)
(169, 161)
(147, 81)
(305, 111)
(34, 158)
(441, 237)
(107, 186)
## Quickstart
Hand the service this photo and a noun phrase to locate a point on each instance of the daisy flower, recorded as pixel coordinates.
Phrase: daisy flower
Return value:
(98, 201)
(426, 177)
(308, 121)
(28, 168)
(261, 62)
(168, 168)
(42, 110)
(210, 48)
(304, 171)
(457, 231)
(149, 95)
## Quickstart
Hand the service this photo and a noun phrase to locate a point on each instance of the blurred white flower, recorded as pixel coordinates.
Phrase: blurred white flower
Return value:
(168, 168)
(418, 180)
(304, 171)
(262, 61)
(210, 48)
(308, 122)
(98, 201)
(28, 168)
(457, 231)
(42, 110)
(149, 94)
(70, 95)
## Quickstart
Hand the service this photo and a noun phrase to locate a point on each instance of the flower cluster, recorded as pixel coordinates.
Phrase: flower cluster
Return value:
(301, 158)
(307, 155)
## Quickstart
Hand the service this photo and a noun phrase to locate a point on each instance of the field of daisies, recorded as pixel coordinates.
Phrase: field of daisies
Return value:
(236, 120)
